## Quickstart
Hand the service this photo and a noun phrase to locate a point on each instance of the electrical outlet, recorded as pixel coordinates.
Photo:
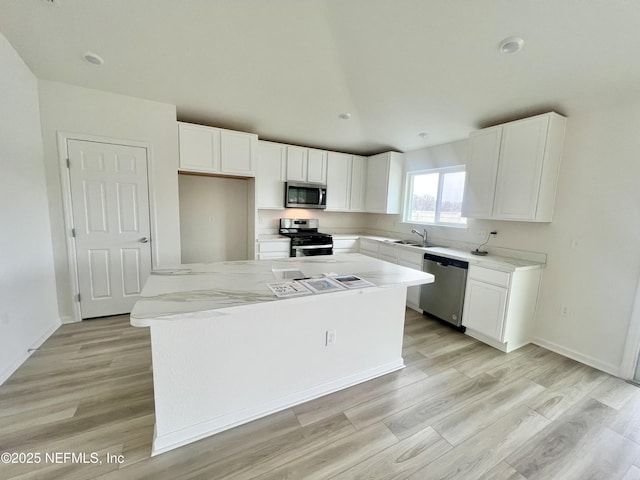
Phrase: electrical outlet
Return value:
(564, 311)
(212, 219)
(574, 243)
(330, 338)
(481, 234)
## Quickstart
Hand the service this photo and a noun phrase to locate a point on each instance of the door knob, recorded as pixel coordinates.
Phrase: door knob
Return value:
(144, 240)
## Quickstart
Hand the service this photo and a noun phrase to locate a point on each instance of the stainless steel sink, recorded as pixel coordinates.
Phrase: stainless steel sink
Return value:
(413, 243)
(408, 242)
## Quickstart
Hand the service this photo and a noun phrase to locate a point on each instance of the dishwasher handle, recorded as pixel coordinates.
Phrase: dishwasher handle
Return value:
(446, 262)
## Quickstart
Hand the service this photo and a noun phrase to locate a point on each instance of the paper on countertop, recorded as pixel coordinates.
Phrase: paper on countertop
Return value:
(288, 289)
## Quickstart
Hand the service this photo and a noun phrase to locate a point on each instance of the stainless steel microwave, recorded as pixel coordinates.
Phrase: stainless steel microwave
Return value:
(305, 195)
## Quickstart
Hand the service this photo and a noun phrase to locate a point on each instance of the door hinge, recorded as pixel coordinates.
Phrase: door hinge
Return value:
(73, 232)
(68, 163)
(78, 297)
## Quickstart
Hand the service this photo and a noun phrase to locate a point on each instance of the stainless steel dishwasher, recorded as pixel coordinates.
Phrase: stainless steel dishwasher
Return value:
(444, 297)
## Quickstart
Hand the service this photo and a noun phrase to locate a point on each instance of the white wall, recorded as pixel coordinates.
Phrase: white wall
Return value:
(597, 205)
(71, 109)
(28, 309)
(213, 218)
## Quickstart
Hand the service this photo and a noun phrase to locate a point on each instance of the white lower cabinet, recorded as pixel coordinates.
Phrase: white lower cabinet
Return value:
(392, 253)
(369, 247)
(411, 259)
(274, 249)
(345, 245)
(484, 308)
(499, 307)
(388, 252)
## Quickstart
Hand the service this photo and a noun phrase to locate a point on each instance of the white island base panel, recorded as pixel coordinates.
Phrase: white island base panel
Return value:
(214, 371)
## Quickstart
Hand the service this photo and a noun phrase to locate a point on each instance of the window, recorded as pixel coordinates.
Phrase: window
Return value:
(435, 196)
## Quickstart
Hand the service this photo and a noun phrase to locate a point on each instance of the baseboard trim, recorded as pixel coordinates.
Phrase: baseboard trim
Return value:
(166, 442)
(10, 370)
(68, 319)
(578, 357)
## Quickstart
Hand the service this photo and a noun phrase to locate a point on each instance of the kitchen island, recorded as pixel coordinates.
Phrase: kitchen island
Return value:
(226, 350)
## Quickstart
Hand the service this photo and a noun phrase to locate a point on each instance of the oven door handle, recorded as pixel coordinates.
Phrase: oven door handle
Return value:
(311, 247)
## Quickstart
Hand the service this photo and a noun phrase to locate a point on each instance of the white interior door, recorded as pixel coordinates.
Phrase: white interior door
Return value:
(110, 204)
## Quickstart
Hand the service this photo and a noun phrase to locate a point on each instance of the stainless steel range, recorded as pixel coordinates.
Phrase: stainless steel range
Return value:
(305, 238)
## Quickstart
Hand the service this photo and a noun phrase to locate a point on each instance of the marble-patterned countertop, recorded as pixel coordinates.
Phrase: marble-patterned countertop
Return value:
(496, 262)
(212, 288)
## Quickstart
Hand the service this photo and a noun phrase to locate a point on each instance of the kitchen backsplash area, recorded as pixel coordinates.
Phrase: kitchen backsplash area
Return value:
(392, 226)
(330, 222)
(504, 243)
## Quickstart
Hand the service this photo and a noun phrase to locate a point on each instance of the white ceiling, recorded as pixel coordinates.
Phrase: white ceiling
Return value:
(285, 69)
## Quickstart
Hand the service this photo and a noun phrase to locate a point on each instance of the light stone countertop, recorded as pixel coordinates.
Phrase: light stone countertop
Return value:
(496, 262)
(274, 237)
(214, 288)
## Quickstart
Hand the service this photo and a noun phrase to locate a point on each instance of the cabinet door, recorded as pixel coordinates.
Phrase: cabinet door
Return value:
(388, 253)
(520, 168)
(377, 183)
(338, 181)
(481, 171)
(358, 183)
(484, 308)
(199, 148)
(238, 152)
(369, 247)
(384, 183)
(316, 166)
(270, 175)
(297, 164)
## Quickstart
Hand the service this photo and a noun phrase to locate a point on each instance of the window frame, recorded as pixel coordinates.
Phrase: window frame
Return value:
(442, 171)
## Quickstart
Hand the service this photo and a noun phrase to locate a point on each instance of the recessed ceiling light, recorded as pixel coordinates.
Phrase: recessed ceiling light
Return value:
(93, 58)
(511, 45)
(344, 116)
(423, 135)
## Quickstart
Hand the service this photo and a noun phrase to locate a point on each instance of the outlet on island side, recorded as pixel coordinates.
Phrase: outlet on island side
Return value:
(564, 311)
(330, 338)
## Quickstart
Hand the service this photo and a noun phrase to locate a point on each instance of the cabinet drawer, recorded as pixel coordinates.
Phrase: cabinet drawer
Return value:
(272, 255)
(345, 244)
(488, 275)
(274, 247)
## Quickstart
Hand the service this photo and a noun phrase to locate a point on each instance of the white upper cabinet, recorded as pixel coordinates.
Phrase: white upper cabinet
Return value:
(339, 182)
(306, 165)
(216, 150)
(238, 152)
(384, 183)
(358, 183)
(346, 182)
(199, 148)
(297, 163)
(516, 181)
(271, 175)
(481, 173)
(317, 166)
(530, 154)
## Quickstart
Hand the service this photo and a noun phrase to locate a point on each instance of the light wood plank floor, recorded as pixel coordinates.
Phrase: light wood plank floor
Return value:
(459, 410)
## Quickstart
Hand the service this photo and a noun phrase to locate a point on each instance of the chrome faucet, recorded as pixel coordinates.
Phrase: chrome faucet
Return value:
(424, 236)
